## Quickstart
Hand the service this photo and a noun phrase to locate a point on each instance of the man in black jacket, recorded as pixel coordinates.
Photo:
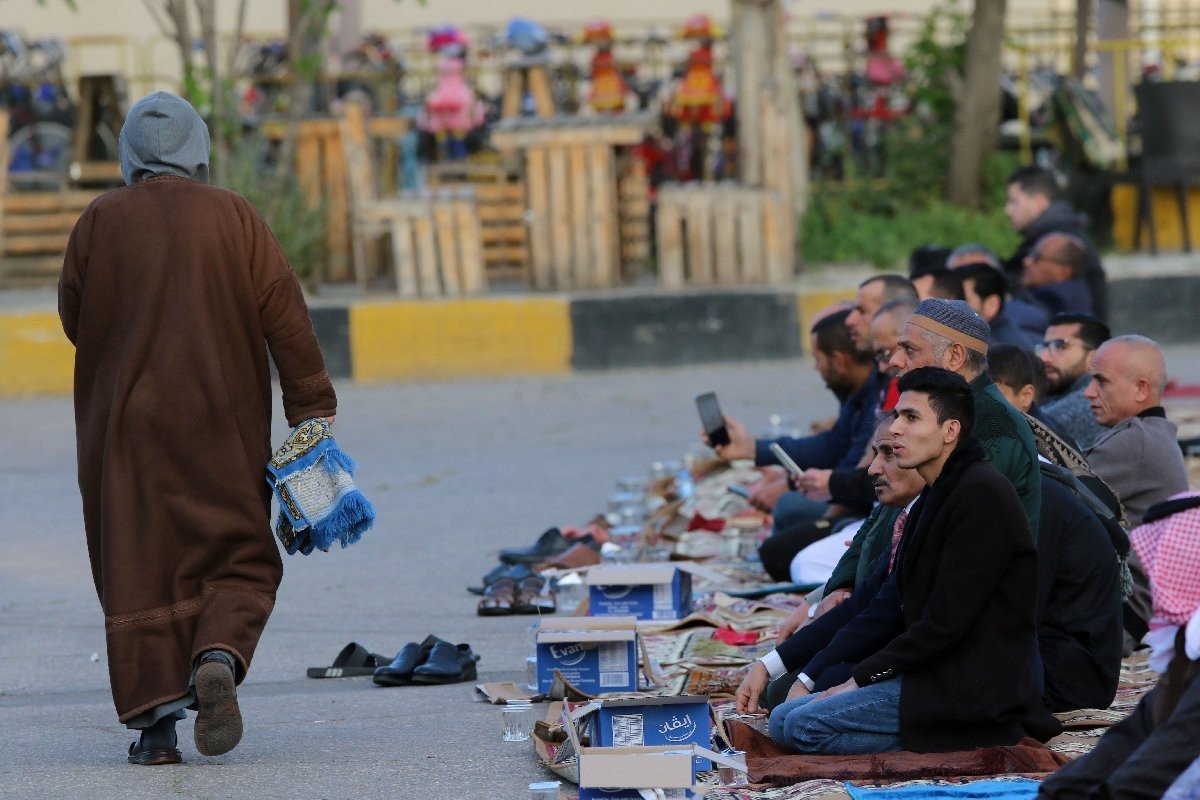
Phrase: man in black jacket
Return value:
(1035, 209)
(943, 653)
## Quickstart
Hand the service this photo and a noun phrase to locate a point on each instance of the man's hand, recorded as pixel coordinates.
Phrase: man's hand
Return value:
(815, 484)
(753, 685)
(798, 690)
(830, 600)
(841, 688)
(795, 621)
(765, 493)
(741, 443)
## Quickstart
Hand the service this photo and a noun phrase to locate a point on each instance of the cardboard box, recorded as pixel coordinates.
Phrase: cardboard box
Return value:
(646, 591)
(595, 654)
(656, 722)
(630, 773)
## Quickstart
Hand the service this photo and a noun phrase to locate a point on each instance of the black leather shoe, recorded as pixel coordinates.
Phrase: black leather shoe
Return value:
(548, 545)
(447, 663)
(400, 671)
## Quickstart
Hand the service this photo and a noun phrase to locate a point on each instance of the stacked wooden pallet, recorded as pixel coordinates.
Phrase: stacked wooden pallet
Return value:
(500, 200)
(34, 229)
(722, 234)
(571, 180)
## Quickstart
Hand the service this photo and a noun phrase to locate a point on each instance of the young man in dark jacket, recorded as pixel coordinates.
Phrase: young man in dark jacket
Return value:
(944, 653)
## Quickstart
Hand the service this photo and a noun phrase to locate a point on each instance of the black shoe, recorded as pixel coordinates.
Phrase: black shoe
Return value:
(218, 727)
(518, 572)
(153, 756)
(447, 663)
(400, 671)
(548, 545)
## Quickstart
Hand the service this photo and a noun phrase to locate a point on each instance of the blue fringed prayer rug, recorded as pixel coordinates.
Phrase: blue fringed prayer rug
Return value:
(314, 482)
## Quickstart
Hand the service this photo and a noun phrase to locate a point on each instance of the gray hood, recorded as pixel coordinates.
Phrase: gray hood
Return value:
(163, 135)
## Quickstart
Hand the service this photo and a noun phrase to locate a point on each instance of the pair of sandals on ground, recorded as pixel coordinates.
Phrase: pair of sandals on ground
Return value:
(433, 661)
(514, 587)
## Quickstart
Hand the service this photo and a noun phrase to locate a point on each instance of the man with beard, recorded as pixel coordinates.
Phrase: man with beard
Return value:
(872, 294)
(850, 374)
(1067, 351)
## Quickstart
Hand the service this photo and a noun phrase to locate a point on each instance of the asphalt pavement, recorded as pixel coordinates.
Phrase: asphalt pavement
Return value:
(457, 470)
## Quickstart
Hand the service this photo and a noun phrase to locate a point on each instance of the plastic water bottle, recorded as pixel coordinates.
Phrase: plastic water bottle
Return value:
(684, 484)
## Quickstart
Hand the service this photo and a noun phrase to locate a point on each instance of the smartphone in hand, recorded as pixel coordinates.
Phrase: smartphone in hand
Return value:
(739, 490)
(786, 461)
(712, 419)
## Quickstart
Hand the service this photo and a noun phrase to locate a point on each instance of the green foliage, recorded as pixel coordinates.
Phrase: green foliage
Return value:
(299, 227)
(881, 221)
(880, 229)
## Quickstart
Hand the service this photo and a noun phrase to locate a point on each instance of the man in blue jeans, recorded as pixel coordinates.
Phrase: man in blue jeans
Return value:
(942, 658)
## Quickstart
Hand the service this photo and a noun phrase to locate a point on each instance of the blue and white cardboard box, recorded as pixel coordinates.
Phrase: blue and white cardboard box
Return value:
(595, 655)
(656, 721)
(651, 591)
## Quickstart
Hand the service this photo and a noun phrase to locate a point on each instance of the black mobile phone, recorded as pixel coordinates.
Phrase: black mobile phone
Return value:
(711, 419)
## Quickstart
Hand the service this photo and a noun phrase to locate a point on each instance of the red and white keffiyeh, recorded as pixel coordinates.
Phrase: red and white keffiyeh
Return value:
(1169, 549)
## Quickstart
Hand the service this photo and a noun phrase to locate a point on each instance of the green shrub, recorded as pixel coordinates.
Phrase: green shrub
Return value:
(299, 227)
(840, 229)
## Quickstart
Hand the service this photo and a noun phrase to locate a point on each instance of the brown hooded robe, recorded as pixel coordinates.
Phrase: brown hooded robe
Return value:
(169, 290)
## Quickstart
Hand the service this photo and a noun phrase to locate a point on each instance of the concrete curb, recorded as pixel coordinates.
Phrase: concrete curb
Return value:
(379, 341)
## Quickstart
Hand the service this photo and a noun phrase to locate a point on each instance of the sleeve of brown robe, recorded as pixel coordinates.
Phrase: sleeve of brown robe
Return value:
(70, 282)
(307, 391)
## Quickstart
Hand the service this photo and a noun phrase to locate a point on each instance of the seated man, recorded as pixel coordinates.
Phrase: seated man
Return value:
(986, 290)
(923, 264)
(943, 655)
(1053, 275)
(875, 539)
(1067, 351)
(1029, 318)
(1138, 455)
(1018, 375)
(850, 374)
(949, 334)
(1153, 753)
(1079, 599)
(945, 285)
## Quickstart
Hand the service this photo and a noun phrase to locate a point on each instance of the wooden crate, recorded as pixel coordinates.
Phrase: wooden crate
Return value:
(722, 234)
(633, 209)
(34, 228)
(500, 199)
(435, 241)
(573, 195)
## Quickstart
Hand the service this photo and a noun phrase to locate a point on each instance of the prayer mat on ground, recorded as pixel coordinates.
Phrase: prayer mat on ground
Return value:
(998, 789)
(772, 764)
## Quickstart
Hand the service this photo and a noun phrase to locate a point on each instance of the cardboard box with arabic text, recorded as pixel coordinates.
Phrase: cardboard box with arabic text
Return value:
(656, 721)
(595, 655)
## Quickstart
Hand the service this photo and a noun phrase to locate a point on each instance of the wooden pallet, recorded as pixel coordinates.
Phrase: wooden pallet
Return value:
(722, 234)
(435, 235)
(573, 195)
(500, 198)
(34, 229)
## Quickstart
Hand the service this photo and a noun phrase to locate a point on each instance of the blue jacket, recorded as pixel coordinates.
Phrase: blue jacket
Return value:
(840, 446)
(1063, 297)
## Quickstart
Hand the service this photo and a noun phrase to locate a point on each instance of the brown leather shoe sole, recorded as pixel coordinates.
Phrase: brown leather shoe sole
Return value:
(218, 718)
(154, 758)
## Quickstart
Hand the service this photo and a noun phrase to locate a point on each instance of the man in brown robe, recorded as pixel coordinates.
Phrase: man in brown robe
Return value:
(169, 290)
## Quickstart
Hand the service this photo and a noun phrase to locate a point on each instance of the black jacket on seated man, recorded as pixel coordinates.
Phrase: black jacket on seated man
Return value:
(1079, 600)
(955, 619)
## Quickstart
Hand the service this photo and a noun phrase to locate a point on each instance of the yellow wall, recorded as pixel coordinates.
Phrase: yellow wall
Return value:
(35, 356)
(460, 338)
(1168, 223)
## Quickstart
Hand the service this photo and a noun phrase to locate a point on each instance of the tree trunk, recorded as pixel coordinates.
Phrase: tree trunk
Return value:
(1083, 20)
(977, 111)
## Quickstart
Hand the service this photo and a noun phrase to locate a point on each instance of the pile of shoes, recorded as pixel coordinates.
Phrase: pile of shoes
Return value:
(433, 661)
(514, 585)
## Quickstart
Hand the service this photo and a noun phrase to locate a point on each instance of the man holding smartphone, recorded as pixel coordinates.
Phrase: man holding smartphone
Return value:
(851, 375)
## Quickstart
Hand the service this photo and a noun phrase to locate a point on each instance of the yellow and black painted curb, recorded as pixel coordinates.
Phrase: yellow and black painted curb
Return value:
(378, 341)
